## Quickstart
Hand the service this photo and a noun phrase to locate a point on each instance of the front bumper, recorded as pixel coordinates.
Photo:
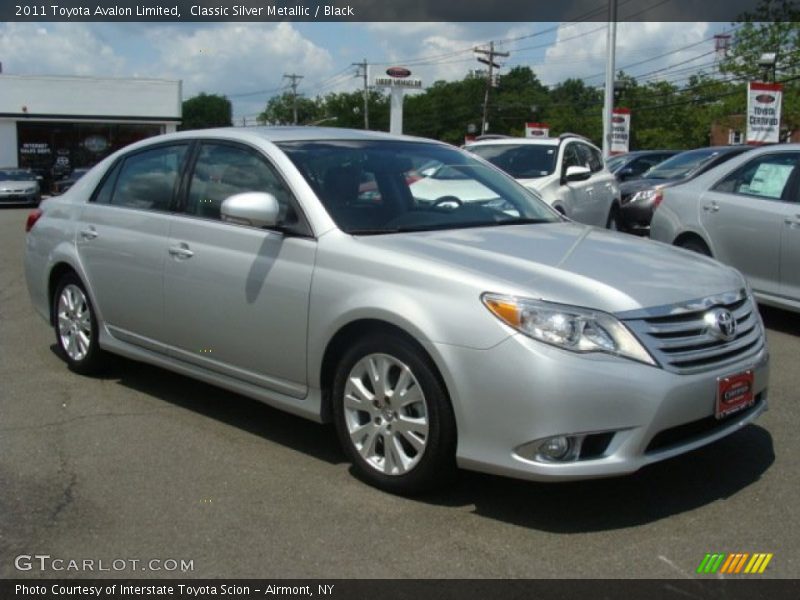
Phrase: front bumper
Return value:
(635, 217)
(537, 392)
(19, 198)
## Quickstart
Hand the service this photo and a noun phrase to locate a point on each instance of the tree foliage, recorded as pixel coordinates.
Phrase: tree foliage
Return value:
(206, 110)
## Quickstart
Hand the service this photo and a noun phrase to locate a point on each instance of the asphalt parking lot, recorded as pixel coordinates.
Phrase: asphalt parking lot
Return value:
(143, 464)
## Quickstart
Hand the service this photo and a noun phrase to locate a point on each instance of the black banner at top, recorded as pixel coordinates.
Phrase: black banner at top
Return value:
(375, 10)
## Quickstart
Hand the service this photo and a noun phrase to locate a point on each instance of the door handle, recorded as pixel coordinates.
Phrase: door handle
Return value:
(713, 207)
(181, 251)
(793, 222)
(89, 233)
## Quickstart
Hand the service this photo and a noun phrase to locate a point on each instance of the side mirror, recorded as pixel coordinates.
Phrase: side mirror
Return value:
(577, 174)
(257, 209)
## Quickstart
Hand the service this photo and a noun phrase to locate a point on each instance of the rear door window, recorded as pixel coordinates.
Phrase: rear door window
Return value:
(147, 180)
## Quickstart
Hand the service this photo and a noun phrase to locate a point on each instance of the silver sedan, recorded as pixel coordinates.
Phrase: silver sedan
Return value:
(745, 213)
(297, 266)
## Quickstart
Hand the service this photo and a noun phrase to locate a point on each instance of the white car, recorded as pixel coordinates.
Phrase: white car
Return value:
(567, 172)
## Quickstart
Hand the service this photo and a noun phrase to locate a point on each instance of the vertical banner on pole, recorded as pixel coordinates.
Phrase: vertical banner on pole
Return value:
(764, 112)
(536, 130)
(620, 131)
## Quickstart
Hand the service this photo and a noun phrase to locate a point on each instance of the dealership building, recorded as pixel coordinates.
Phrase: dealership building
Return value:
(56, 124)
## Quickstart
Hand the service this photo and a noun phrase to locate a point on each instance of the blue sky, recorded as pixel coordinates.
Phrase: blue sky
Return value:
(247, 61)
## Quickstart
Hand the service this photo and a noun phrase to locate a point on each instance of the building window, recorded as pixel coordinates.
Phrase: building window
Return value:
(735, 137)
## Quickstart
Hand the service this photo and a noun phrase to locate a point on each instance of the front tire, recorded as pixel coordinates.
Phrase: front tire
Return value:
(393, 416)
(76, 326)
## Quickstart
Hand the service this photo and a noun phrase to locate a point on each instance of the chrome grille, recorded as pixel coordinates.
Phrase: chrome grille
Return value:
(681, 340)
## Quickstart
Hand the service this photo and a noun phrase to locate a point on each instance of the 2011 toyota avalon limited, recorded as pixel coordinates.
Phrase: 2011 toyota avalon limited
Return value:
(296, 266)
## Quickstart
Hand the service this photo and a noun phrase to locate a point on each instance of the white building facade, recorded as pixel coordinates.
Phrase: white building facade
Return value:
(56, 124)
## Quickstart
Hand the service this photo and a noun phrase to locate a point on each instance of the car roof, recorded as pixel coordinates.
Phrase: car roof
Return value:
(517, 141)
(297, 133)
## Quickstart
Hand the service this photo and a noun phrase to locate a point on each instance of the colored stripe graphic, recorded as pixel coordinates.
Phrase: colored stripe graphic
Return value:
(735, 563)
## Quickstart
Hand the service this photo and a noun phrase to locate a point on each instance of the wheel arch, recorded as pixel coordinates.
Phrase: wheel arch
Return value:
(689, 235)
(344, 338)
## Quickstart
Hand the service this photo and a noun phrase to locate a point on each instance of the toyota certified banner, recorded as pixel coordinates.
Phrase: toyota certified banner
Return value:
(536, 130)
(620, 131)
(764, 112)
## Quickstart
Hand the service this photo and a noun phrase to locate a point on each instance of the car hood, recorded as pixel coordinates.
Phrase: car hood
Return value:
(16, 185)
(564, 262)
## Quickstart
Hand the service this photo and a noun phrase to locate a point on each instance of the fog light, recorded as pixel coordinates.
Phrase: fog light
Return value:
(555, 448)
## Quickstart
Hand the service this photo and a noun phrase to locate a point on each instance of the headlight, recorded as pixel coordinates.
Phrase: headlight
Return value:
(645, 195)
(569, 327)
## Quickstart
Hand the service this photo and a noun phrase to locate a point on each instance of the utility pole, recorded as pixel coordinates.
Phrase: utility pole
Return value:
(608, 103)
(293, 85)
(489, 60)
(362, 72)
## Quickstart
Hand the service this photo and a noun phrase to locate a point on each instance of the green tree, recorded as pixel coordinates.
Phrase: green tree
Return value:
(206, 110)
(280, 110)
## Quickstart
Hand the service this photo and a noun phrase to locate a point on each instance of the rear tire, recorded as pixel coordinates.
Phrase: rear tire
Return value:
(76, 327)
(393, 415)
(695, 246)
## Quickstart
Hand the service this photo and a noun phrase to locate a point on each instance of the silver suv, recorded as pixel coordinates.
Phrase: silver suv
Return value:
(298, 266)
(567, 172)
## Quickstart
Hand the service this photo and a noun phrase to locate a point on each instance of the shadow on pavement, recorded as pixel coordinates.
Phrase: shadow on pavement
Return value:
(681, 484)
(780, 320)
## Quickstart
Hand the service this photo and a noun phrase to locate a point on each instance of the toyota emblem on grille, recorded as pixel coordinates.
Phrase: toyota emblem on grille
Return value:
(721, 324)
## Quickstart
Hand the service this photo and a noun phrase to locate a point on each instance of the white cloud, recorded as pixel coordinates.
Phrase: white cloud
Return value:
(585, 56)
(238, 58)
(57, 49)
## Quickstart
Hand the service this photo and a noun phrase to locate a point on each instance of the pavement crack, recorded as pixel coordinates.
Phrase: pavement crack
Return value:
(67, 498)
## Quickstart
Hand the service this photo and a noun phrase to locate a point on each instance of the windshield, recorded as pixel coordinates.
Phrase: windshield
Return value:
(16, 175)
(612, 164)
(525, 161)
(681, 165)
(372, 187)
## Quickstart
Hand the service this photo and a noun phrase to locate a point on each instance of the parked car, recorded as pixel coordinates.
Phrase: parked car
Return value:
(567, 172)
(18, 186)
(745, 213)
(634, 164)
(641, 196)
(62, 185)
(498, 335)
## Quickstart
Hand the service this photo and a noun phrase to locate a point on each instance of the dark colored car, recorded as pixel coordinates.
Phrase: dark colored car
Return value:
(634, 164)
(640, 197)
(61, 186)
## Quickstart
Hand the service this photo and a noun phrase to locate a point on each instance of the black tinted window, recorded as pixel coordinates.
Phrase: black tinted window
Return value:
(765, 177)
(103, 193)
(223, 170)
(571, 156)
(147, 179)
(590, 158)
(521, 162)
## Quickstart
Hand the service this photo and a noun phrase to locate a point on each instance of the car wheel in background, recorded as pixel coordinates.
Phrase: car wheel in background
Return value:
(393, 415)
(612, 222)
(695, 245)
(76, 326)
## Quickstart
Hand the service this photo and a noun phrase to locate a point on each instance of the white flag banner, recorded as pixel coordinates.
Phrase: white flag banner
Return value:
(764, 112)
(620, 130)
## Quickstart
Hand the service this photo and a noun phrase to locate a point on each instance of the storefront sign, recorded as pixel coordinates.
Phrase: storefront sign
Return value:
(764, 112)
(537, 130)
(620, 130)
(34, 148)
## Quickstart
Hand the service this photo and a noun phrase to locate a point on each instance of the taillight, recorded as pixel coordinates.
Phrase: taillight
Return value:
(657, 198)
(33, 216)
